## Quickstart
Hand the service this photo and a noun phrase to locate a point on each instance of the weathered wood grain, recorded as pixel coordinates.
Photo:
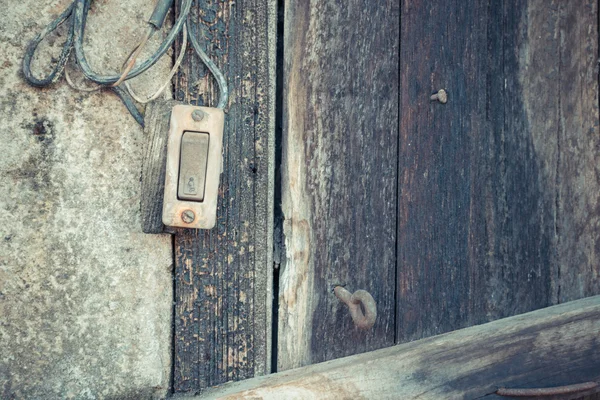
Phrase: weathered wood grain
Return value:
(223, 276)
(577, 184)
(338, 175)
(498, 188)
(156, 128)
(551, 347)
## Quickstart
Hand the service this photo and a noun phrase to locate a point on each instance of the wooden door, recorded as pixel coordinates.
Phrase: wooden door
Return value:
(450, 215)
(478, 209)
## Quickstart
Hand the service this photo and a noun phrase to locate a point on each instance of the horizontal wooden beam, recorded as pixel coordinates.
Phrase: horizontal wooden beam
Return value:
(554, 346)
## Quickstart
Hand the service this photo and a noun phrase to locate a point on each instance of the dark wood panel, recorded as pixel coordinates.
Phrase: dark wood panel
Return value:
(577, 184)
(546, 348)
(223, 276)
(498, 188)
(338, 175)
(157, 117)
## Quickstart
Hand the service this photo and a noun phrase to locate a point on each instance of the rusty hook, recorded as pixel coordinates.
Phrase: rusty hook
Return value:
(362, 320)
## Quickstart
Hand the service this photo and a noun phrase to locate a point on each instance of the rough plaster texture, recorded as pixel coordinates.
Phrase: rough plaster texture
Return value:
(85, 296)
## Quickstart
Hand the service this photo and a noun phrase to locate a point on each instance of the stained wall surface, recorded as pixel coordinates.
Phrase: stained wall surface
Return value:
(85, 296)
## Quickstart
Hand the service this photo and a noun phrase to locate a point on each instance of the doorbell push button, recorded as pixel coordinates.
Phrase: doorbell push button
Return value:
(192, 166)
(194, 149)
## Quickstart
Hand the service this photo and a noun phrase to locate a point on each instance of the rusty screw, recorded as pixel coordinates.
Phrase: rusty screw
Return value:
(440, 96)
(188, 216)
(198, 115)
(362, 319)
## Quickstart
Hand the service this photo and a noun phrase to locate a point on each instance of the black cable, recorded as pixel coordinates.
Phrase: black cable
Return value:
(80, 14)
(221, 81)
(128, 102)
(76, 15)
(56, 72)
(160, 13)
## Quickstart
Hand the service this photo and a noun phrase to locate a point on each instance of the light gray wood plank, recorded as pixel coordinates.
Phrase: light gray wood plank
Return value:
(554, 346)
(338, 175)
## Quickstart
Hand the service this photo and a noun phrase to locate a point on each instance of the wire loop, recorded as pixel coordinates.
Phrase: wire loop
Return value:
(56, 72)
(76, 16)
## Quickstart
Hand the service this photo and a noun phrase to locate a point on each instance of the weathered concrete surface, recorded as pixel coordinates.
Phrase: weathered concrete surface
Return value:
(85, 297)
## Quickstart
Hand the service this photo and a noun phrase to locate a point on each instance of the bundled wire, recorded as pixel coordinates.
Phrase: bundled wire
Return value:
(76, 15)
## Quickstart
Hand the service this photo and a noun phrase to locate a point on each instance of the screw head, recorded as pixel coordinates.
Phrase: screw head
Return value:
(197, 115)
(188, 216)
(441, 96)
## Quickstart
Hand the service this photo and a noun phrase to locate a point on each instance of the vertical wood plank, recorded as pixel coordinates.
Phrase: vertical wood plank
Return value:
(498, 187)
(339, 175)
(578, 164)
(157, 117)
(223, 276)
(442, 44)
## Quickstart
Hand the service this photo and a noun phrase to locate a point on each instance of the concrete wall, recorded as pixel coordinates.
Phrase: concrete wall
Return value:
(85, 296)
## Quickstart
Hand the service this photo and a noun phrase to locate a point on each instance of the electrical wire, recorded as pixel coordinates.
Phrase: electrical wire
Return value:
(216, 72)
(132, 57)
(80, 12)
(168, 80)
(79, 88)
(55, 73)
(76, 17)
(129, 104)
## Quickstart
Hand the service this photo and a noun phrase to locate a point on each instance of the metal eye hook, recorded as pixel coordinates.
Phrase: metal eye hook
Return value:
(362, 320)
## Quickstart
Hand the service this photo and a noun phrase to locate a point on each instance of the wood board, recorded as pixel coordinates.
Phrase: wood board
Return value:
(546, 348)
(223, 277)
(498, 187)
(156, 125)
(338, 175)
(450, 215)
